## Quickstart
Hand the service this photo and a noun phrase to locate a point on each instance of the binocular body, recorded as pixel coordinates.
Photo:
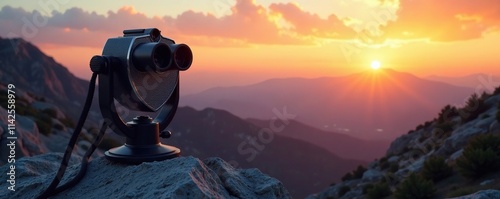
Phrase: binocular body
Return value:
(146, 67)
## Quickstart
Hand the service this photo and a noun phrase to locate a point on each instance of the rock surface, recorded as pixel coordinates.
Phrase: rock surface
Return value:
(183, 177)
(28, 142)
(484, 194)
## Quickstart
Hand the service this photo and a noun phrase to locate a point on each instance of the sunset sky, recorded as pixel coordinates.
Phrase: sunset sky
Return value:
(244, 41)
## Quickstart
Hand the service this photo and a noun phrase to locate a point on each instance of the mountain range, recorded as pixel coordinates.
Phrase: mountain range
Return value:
(374, 105)
(478, 81)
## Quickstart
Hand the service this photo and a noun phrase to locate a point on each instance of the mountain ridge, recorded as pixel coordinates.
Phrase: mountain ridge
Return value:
(377, 99)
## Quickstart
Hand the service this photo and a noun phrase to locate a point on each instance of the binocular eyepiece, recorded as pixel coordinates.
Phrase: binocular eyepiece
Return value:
(148, 50)
(161, 57)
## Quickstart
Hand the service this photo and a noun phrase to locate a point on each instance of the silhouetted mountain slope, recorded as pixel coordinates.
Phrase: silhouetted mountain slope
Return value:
(372, 105)
(302, 167)
(31, 70)
(342, 145)
(455, 154)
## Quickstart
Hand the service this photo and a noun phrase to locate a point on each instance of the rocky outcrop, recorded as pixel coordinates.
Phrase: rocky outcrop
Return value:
(28, 142)
(484, 194)
(408, 153)
(183, 177)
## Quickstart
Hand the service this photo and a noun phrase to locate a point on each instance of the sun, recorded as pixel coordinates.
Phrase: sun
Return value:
(375, 64)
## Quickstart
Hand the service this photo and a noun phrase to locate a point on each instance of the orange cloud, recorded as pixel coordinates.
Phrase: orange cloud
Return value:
(444, 20)
(306, 23)
(248, 22)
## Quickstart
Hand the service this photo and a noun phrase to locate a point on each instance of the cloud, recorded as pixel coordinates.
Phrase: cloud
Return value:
(247, 22)
(444, 20)
(306, 23)
(250, 23)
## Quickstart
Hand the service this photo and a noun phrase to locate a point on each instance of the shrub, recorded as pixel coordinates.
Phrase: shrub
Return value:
(384, 164)
(343, 190)
(394, 166)
(446, 113)
(415, 187)
(497, 91)
(68, 122)
(474, 106)
(50, 112)
(481, 156)
(436, 169)
(378, 191)
(475, 163)
(44, 124)
(366, 187)
(346, 177)
(443, 130)
(356, 174)
(420, 126)
(484, 142)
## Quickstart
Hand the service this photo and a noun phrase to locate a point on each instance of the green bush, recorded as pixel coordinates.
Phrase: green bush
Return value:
(68, 122)
(384, 164)
(343, 190)
(484, 142)
(394, 166)
(378, 191)
(475, 163)
(366, 187)
(50, 112)
(415, 187)
(356, 174)
(497, 91)
(346, 177)
(44, 123)
(481, 156)
(436, 169)
(474, 106)
(447, 113)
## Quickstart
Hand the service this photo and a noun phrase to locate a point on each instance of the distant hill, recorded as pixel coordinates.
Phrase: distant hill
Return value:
(379, 104)
(302, 167)
(30, 70)
(480, 81)
(343, 145)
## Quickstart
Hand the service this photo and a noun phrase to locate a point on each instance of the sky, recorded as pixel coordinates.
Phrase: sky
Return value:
(238, 42)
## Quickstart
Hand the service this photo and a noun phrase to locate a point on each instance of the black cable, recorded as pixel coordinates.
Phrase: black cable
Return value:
(69, 149)
(85, 161)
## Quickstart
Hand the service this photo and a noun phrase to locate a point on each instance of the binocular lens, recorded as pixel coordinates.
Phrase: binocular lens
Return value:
(183, 57)
(156, 56)
(159, 57)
